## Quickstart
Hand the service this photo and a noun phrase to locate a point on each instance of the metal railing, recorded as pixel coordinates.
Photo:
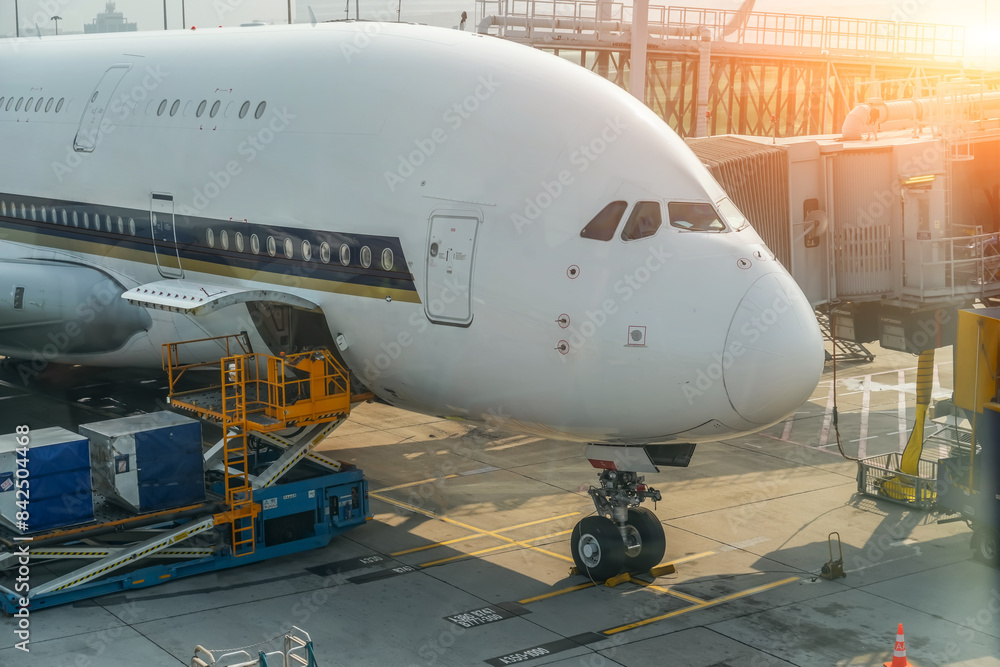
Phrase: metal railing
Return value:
(858, 36)
(964, 266)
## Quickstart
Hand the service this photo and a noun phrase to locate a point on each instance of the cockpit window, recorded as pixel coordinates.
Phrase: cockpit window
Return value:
(695, 217)
(604, 224)
(732, 214)
(644, 221)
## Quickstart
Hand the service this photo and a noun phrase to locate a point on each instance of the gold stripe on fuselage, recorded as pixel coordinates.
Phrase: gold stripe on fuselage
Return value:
(121, 252)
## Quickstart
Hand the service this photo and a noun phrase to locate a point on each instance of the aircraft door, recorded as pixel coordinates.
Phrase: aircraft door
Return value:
(161, 218)
(451, 248)
(93, 114)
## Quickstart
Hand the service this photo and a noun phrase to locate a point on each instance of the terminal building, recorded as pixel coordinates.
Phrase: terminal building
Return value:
(110, 20)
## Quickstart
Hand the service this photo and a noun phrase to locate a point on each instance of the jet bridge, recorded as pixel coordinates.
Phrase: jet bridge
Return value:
(890, 226)
(269, 493)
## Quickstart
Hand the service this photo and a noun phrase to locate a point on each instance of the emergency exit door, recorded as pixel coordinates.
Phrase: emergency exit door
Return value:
(87, 134)
(161, 218)
(451, 249)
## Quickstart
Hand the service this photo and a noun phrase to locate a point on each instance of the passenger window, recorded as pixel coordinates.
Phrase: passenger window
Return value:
(644, 221)
(604, 224)
(734, 218)
(695, 217)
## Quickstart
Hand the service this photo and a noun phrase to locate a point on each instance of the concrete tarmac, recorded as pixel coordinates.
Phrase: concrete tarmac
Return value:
(472, 528)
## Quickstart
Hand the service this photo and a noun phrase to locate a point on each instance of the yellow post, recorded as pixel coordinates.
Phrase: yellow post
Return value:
(910, 461)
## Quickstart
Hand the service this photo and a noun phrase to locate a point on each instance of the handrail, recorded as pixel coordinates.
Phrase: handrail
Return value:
(170, 355)
(952, 274)
(861, 36)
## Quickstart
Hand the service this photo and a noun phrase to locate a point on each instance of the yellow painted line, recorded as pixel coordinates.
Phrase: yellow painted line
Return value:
(461, 556)
(700, 605)
(453, 522)
(561, 591)
(545, 537)
(688, 558)
(436, 544)
(418, 483)
(676, 594)
(491, 549)
(501, 530)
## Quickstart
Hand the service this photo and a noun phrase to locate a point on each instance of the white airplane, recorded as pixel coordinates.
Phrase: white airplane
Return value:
(480, 230)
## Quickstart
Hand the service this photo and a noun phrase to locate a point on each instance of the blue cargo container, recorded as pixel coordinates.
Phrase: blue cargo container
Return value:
(148, 462)
(55, 485)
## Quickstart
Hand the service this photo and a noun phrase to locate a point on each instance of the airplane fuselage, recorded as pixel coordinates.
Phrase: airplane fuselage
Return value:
(426, 189)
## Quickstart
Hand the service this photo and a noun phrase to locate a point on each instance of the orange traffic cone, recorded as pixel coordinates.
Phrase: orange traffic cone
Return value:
(899, 652)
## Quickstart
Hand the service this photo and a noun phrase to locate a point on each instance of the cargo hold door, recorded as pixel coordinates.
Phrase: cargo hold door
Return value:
(450, 251)
(88, 133)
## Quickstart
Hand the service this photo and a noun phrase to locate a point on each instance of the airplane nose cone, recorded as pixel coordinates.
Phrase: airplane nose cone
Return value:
(774, 351)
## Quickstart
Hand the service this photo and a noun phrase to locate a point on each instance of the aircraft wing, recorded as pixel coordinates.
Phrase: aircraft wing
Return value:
(193, 297)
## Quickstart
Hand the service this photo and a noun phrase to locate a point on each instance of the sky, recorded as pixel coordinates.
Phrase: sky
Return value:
(982, 22)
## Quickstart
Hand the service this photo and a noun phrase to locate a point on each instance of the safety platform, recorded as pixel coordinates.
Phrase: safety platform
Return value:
(267, 494)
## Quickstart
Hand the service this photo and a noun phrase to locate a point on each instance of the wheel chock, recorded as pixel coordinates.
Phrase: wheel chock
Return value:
(660, 570)
(573, 571)
(618, 579)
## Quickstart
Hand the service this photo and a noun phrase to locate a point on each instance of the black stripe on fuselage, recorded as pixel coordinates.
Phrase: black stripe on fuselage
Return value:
(126, 233)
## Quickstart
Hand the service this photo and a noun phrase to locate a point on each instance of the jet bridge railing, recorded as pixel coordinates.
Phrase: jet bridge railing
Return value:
(953, 267)
(849, 35)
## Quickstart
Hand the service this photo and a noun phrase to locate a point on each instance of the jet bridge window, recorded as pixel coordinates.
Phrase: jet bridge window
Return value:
(604, 224)
(695, 217)
(645, 220)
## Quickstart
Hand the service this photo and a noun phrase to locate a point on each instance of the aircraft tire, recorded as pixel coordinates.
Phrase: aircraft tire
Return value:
(654, 544)
(597, 547)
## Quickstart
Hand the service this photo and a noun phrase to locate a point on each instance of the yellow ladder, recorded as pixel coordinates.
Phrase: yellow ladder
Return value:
(239, 491)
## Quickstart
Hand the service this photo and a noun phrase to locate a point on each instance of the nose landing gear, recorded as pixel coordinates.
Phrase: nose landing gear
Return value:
(625, 537)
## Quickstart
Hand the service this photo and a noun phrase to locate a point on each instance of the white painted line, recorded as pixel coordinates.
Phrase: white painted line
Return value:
(824, 434)
(865, 406)
(901, 412)
(785, 434)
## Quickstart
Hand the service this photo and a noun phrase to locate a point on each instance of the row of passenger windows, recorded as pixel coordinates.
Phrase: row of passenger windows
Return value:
(202, 106)
(237, 240)
(646, 218)
(68, 218)
(39, 103)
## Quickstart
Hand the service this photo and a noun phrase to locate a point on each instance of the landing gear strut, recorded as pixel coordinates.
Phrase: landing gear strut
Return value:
(625, 537)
